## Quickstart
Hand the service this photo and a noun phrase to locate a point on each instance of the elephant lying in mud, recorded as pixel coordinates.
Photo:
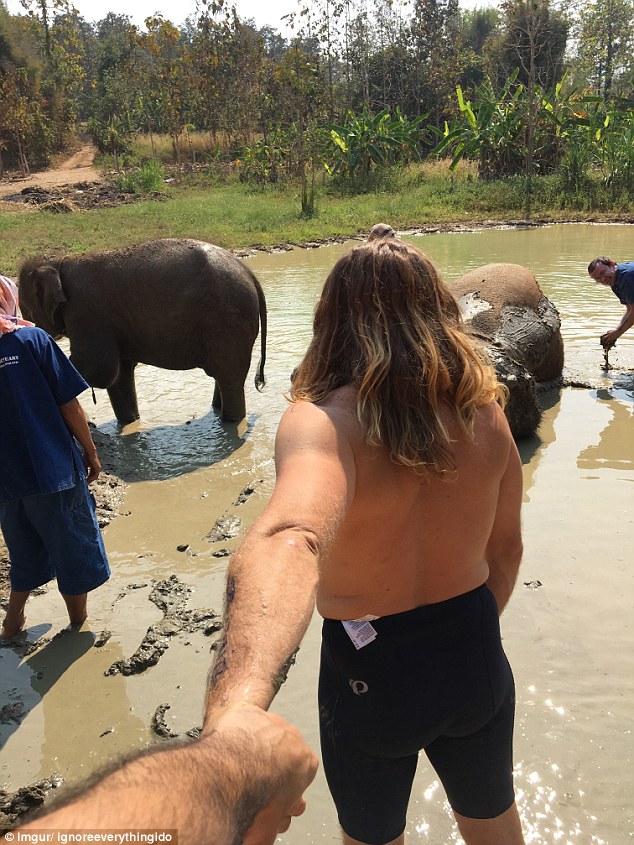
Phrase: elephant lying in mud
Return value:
(504, 306)
(173, 303)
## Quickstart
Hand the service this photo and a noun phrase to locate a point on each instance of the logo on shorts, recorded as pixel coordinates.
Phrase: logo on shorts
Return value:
(358, 687)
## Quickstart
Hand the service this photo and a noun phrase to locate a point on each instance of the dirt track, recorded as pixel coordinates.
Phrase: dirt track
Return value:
(78, 168)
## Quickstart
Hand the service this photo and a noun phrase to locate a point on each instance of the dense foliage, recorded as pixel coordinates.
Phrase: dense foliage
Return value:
(530, 89)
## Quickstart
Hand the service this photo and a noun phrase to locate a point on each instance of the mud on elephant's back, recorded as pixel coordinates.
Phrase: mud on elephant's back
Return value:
(522, 407)
(505, 304)
(504, 307)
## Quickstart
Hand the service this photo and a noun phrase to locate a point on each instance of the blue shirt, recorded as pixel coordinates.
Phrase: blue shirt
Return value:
(623, 286)
(38, 454)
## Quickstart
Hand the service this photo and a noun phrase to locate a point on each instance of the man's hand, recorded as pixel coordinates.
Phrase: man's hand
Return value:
(608, 340)
(92, 465)
(242, 781)
(283, 756)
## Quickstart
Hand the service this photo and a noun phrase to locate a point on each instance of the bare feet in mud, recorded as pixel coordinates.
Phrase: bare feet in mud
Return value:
(12, 626)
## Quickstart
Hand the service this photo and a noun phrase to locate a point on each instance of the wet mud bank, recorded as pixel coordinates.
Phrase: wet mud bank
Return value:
(83, 196)
(447, 227)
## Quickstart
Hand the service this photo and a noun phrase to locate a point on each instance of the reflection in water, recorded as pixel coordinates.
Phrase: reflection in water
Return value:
(160, 452)
(613, 451)
(532, 449)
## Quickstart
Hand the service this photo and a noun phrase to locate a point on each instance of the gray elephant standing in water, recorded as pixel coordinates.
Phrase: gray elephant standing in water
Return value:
(173, 303)
(504, 306)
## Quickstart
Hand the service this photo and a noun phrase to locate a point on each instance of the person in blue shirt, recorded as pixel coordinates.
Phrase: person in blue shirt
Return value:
(619, 277)
(47, 513)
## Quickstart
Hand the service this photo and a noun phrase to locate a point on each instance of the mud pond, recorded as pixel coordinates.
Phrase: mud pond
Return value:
(78, 700)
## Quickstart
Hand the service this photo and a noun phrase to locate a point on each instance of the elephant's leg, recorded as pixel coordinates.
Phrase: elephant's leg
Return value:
(233, 407)
(216, 402)
(122, 394)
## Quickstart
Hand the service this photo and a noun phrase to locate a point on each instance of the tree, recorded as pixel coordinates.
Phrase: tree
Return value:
(532, 37)
(165, 78)
(605, 38)
(533, 40)
(25, 135)
(437, 59)
(55, 21)
(477, 27)
(115, 98)
(302, 95)
(17, 110)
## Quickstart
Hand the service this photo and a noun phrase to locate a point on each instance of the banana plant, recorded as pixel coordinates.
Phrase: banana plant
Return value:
(364, 141)
(490, 131)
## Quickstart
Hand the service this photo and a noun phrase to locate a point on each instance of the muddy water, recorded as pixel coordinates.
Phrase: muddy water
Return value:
(568, 630)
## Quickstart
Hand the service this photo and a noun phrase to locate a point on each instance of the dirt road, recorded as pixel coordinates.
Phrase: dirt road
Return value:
(78, 168)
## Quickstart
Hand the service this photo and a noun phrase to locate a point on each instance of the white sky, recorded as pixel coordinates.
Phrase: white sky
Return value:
(262, 11)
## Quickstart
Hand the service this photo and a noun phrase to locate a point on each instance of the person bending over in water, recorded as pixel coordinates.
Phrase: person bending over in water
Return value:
(619, 277)
(397, 505)
(47, 513)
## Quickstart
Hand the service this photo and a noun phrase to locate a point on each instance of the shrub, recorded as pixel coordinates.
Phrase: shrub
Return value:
(150, 177)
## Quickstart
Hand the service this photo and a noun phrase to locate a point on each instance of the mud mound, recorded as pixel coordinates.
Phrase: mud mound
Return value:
(79, 197)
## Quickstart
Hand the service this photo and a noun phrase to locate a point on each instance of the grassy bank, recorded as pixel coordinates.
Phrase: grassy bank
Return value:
(234, 215)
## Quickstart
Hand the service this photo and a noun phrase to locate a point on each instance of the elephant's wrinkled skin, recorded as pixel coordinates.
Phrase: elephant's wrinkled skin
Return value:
(504, 306)
(173, 303)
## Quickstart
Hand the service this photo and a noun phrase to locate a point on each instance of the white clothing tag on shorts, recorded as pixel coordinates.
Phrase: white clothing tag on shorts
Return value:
(360, 631)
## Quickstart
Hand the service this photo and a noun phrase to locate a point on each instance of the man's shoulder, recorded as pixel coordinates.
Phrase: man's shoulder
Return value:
(624, 286)
(491, 419)
(336, 412)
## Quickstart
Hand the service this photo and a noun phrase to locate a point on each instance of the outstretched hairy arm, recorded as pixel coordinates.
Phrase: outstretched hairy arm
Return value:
(272, 578)
(240, 784)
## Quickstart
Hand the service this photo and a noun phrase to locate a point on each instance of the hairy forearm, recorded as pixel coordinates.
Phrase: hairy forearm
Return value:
(270, 599)
(208, 790)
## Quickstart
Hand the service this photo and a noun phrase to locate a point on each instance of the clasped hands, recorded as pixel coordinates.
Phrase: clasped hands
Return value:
(283, 755)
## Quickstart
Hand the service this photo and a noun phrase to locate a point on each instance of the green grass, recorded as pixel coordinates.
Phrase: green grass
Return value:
(234, 215)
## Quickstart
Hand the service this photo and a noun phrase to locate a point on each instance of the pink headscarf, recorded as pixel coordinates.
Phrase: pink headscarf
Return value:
(10, 318)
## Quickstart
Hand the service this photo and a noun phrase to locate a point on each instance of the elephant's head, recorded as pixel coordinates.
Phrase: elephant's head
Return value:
(42, 297)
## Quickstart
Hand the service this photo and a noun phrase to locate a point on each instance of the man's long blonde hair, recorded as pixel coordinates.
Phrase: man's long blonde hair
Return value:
(386, 323)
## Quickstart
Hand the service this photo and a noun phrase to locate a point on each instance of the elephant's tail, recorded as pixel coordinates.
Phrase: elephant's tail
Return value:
(260, 381)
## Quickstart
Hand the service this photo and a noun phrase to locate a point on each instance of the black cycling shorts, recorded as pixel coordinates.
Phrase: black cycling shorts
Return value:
(434, 678)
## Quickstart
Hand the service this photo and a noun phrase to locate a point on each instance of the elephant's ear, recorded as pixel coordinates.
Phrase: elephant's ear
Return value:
(49, 295)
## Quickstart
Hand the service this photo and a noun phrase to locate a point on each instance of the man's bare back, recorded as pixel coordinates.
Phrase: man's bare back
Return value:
(406, 540)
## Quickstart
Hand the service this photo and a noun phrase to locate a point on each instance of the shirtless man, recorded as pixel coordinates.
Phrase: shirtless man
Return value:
(397, 506)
